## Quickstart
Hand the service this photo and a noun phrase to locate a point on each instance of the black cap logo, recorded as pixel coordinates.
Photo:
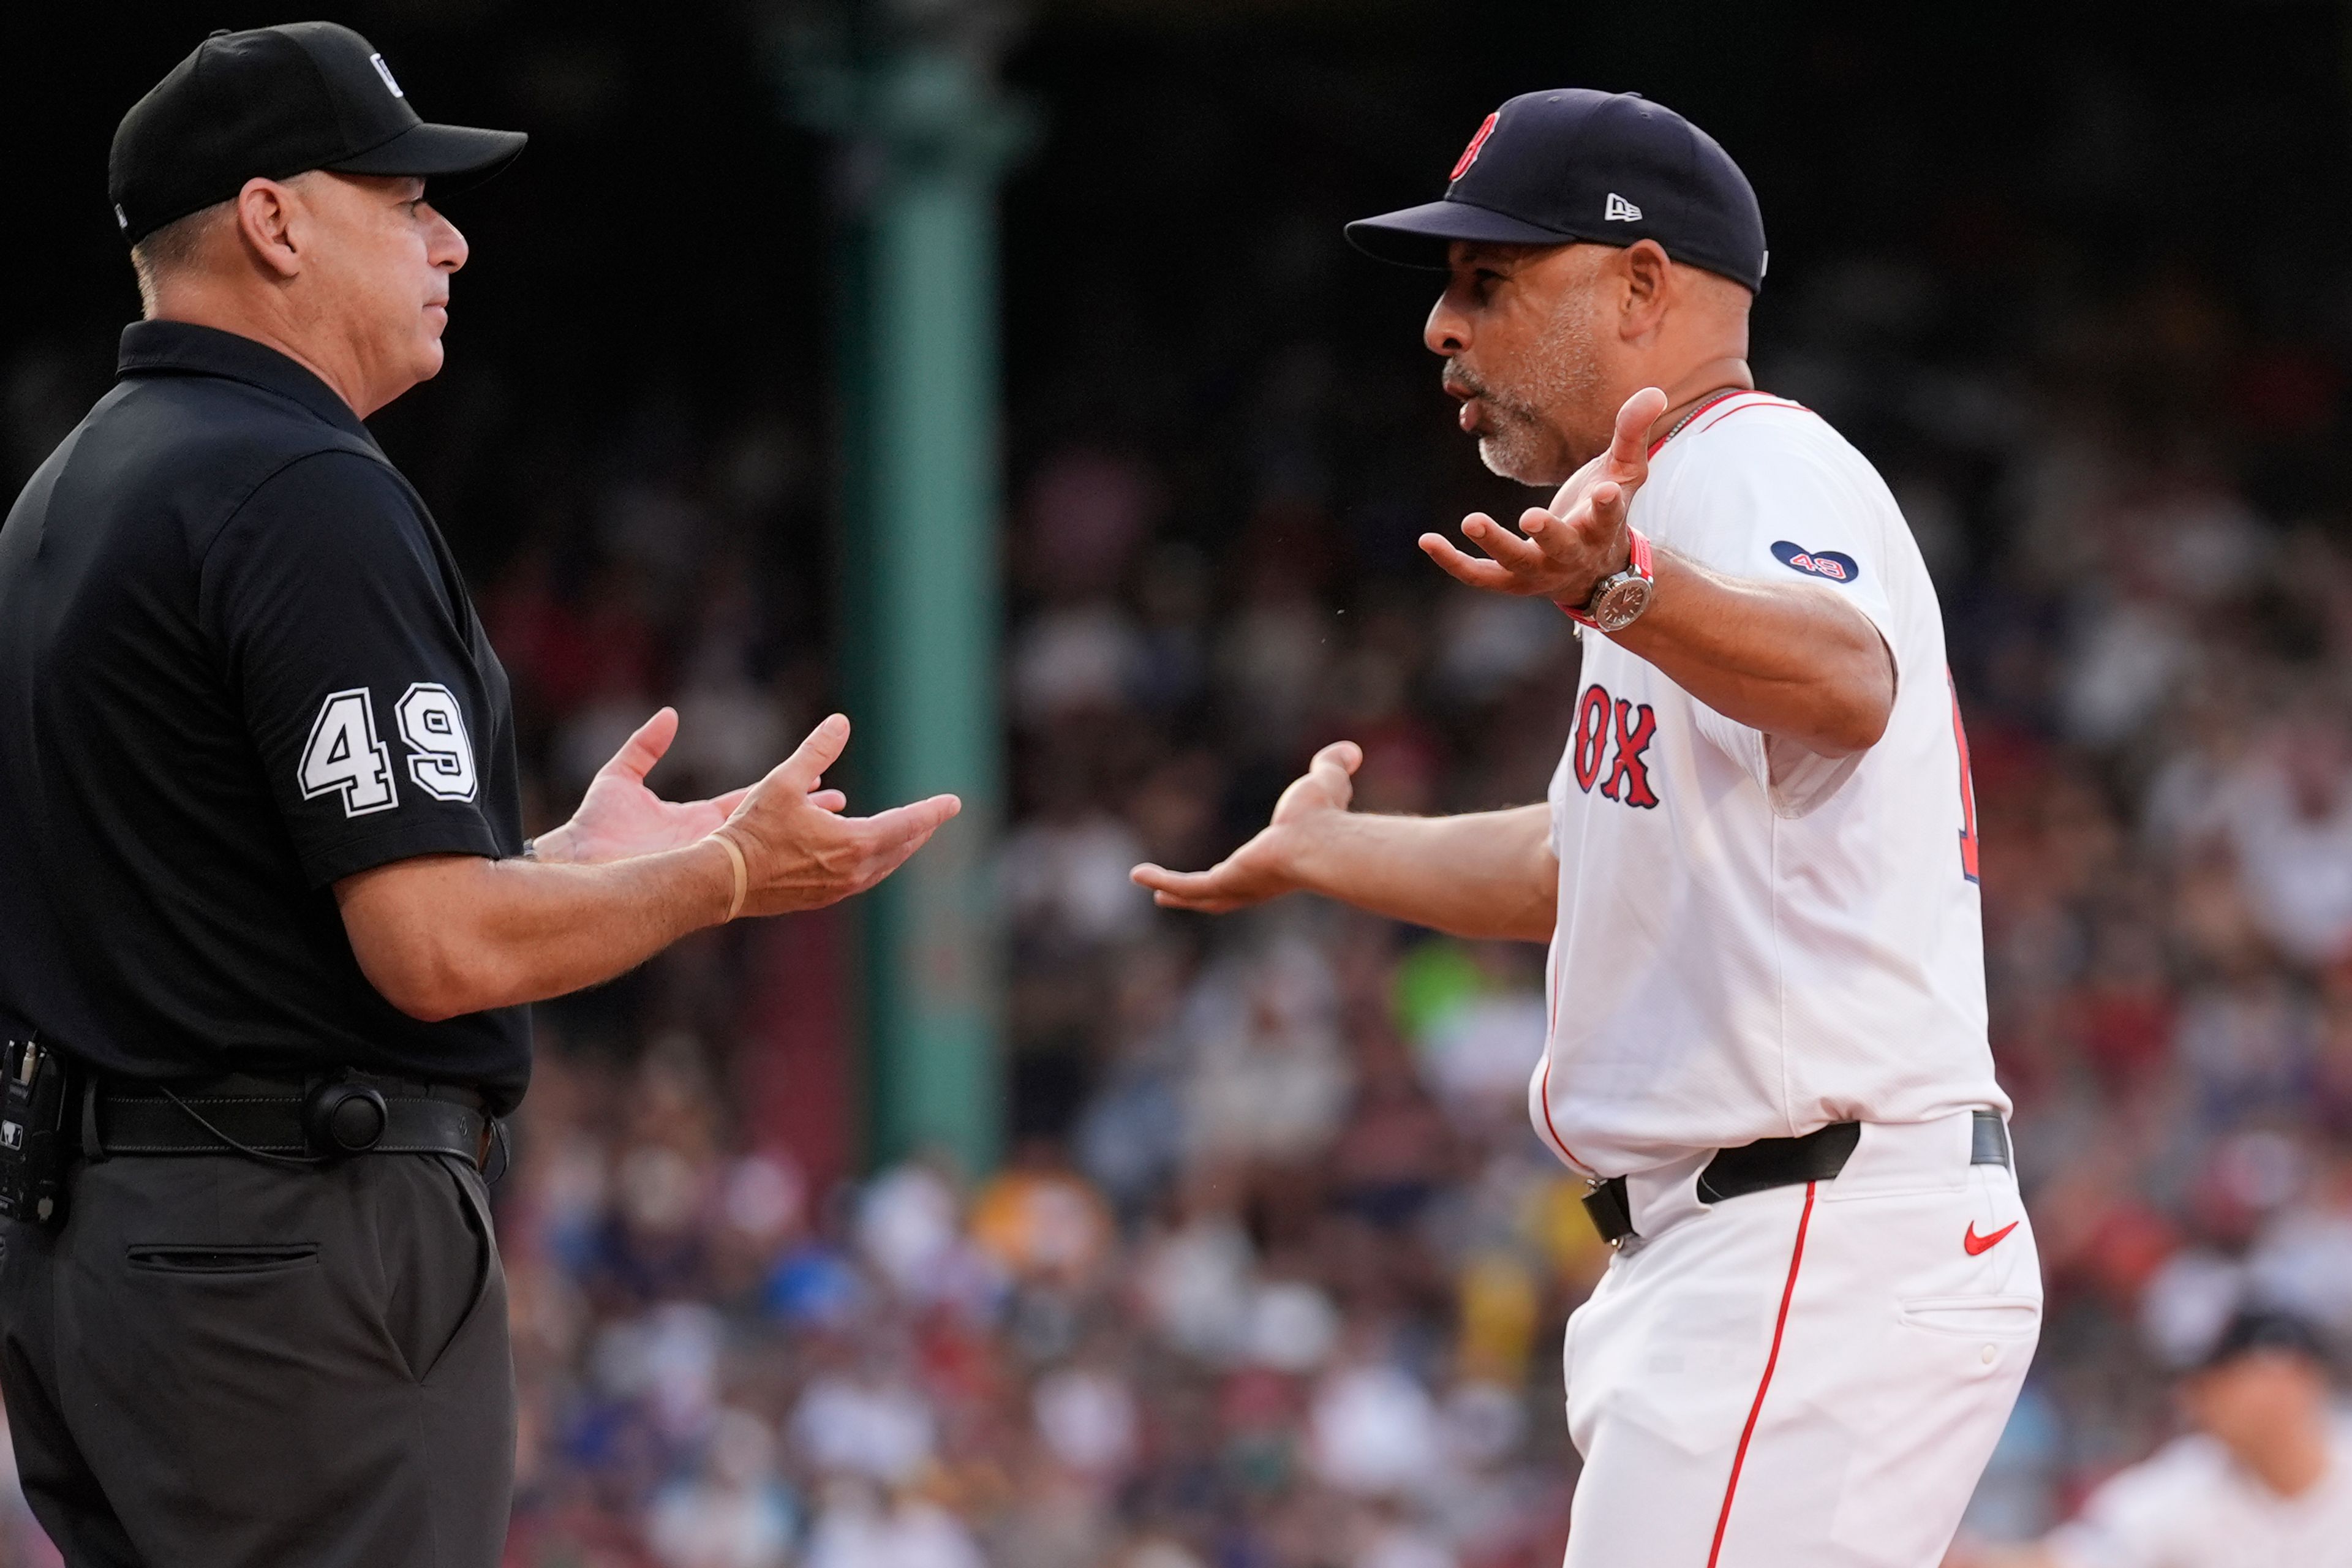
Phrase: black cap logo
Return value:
(384, 72)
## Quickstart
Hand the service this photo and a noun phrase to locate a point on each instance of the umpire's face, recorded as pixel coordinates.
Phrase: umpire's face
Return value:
(374, 276)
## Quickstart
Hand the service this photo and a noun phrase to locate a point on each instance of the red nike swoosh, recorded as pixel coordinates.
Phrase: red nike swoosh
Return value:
(1980, 1244)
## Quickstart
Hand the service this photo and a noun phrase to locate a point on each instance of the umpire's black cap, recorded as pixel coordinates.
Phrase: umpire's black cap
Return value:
(1549, 168)
(274, 103)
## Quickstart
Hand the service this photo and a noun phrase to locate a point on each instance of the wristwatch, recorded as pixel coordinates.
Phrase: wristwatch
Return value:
(1619, 599)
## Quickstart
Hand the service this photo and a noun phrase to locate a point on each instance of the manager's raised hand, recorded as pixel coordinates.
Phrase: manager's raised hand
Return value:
(1562, 550)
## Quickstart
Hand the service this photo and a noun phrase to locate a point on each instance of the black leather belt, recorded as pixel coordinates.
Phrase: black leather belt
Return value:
(1769, 1163)
(284, 1120)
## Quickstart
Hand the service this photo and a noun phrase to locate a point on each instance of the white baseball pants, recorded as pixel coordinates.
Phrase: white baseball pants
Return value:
(1809, 1377)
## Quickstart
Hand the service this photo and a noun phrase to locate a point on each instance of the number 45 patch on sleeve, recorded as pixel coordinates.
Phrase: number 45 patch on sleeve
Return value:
(344, 757)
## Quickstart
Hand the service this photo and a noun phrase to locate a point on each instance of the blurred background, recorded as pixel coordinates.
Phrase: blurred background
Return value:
(1002, 374)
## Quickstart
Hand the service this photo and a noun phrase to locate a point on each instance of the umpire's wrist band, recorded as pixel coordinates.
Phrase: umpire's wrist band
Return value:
(735, 863)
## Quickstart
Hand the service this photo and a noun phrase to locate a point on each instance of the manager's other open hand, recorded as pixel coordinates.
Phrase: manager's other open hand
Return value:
(1561, 550)
(799, 853)
(1267, 866)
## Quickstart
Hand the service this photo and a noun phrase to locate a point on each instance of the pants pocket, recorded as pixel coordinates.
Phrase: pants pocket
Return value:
(1976, 1317)
(439, 1266)
(178, 1257)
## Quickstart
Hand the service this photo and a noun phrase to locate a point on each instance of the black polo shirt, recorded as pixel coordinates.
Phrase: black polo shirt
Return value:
(237, 663)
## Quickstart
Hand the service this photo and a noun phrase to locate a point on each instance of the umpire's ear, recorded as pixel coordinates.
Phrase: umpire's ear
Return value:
(269, 216)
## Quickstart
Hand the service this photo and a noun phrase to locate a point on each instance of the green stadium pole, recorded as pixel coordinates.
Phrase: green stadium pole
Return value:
(925, 136)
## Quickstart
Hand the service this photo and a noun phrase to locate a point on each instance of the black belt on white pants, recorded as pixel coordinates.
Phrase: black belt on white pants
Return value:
(1769, 1163)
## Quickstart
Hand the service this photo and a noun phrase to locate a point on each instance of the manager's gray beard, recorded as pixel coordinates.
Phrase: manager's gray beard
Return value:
(1561, 372)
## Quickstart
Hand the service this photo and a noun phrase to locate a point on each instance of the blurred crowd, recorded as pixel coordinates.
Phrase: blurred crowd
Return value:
(1274, 1274)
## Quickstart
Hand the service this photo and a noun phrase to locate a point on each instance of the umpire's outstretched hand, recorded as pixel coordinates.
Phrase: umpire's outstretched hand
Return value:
(620, 815)
(800, 852)
(440, 935)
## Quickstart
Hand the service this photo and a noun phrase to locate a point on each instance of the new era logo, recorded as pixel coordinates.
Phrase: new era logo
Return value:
(1620, 210)
(384, 72)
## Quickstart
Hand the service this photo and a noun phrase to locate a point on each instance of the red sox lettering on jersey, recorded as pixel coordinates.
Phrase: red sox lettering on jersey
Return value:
(1629, 775)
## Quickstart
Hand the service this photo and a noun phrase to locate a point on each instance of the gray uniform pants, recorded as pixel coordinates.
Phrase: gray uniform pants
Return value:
(219, 1363)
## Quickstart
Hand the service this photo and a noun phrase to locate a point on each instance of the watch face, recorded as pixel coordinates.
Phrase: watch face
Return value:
(1623, 604)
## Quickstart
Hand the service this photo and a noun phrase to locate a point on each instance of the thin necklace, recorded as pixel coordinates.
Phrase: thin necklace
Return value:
(1697, 411)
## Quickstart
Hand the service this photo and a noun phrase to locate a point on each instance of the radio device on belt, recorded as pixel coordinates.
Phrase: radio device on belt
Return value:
(32, 1143)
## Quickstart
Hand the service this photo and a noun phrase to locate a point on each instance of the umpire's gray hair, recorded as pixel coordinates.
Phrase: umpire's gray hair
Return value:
(171, 247)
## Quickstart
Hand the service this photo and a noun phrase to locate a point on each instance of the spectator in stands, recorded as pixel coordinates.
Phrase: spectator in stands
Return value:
(2264, 1480)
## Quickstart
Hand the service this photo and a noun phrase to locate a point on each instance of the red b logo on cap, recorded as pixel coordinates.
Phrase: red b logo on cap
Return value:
(1470, 154)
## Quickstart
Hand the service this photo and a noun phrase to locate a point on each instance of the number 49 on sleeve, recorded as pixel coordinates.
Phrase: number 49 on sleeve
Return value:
(342, 756)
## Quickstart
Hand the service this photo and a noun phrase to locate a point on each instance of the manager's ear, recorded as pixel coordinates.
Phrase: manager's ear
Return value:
(267, 212)
(1648, 273)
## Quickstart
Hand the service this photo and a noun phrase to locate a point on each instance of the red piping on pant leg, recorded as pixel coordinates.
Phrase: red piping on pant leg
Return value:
(1731, 1488)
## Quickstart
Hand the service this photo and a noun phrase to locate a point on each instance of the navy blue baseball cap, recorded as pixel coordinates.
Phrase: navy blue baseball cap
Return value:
(1551, 168)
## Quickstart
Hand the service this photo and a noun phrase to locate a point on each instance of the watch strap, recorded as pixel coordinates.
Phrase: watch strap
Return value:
(1637, 564)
